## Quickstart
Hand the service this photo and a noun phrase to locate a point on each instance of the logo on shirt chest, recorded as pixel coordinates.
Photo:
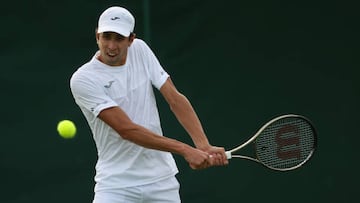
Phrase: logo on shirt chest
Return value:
(109, 84)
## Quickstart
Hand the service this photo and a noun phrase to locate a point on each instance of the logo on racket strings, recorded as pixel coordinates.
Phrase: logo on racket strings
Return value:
(288, 142)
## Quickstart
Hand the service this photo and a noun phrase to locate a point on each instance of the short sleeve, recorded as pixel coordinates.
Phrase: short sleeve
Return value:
(156, 72)
(89, 96)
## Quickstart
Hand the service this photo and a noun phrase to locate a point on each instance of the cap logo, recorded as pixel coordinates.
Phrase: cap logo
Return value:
(115, 18)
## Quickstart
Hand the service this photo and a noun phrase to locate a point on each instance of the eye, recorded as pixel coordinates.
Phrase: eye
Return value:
(106, 35)
(119, 37)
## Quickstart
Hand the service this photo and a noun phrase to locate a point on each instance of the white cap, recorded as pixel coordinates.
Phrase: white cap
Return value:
(116, 19)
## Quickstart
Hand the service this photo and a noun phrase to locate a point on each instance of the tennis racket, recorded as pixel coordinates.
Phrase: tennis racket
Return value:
(284, 143)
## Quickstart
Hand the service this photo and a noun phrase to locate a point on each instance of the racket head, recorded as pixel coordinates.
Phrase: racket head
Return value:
(286, 142)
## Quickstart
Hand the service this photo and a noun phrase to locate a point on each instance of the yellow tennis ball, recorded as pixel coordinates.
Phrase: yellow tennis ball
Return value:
(66, 129)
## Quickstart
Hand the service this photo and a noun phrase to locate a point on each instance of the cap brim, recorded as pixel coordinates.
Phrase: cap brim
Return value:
(117, 29)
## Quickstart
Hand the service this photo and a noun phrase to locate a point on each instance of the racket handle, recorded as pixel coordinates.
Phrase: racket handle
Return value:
(228, 154)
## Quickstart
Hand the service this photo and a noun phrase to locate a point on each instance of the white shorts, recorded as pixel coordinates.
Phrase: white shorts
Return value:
(165, 191)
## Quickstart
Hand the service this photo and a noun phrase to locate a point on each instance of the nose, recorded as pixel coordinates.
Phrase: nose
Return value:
(112, 44)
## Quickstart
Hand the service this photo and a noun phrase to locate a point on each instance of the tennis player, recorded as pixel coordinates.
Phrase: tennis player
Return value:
(114, 91)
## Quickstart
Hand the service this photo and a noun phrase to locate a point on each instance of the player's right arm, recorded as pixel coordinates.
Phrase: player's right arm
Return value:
(116, 118)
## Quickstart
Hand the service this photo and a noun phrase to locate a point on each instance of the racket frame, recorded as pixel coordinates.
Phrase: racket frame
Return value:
(229, 153)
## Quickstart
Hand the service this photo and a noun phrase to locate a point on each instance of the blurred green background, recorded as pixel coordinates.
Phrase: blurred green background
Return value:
(240, 63)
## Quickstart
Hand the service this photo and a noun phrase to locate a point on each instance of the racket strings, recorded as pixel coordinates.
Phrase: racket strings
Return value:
(285, 144)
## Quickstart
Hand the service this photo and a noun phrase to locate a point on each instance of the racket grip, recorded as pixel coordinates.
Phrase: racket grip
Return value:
(228, 154)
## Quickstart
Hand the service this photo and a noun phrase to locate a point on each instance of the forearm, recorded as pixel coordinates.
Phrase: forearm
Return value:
(188, 118)
(146, 138)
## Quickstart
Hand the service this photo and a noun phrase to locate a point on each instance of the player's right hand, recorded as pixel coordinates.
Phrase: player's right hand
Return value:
(197, 159)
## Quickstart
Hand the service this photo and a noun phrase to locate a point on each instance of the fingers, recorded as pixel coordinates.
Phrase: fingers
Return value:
(212, 160)
(215, 156)
(218, 157)
(217, 160)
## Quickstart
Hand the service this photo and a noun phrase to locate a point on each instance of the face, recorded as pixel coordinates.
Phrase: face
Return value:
(113, 47)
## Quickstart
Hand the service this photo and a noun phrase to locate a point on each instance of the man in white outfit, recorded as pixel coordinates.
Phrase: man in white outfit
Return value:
(114, 91)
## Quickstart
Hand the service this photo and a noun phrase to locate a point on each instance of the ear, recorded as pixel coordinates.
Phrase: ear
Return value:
(97, 35)
(132, 37)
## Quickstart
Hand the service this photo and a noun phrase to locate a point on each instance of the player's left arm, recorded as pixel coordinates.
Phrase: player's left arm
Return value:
(186, 115)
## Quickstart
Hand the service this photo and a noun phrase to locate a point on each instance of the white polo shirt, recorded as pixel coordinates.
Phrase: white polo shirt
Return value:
(95, 87)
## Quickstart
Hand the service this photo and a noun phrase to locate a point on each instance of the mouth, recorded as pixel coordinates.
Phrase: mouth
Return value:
(112, 55)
